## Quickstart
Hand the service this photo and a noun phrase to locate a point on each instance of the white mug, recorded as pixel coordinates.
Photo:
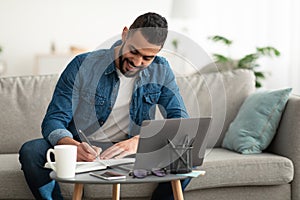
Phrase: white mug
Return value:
(65, 160)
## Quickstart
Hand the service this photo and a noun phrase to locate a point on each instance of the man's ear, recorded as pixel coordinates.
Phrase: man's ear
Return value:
(124, 33)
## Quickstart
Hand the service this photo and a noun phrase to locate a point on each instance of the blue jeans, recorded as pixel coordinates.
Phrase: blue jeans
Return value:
(33, 157)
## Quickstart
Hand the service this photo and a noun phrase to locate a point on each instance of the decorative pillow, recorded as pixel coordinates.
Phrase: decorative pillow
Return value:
(256, 122)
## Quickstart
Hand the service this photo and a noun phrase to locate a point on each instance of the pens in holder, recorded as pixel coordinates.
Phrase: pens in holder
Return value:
(175, 150)
(83, 138)
(181, 157)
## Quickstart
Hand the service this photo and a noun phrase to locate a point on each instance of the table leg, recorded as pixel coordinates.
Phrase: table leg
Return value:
(78, 189)
(177, 190)
(116, 191)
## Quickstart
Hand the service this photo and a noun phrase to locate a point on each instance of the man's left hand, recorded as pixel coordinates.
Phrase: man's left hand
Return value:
(121, 149)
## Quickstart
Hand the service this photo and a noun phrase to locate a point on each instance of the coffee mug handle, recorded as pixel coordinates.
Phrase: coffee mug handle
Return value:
(49, 159)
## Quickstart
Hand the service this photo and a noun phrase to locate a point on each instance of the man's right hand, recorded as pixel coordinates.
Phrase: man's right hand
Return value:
(84, 151)
(87, 153)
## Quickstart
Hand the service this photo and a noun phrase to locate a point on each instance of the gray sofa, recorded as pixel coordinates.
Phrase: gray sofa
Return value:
(273, 174)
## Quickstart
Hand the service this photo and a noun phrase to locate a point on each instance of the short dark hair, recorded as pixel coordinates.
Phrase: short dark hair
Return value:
(153, 27)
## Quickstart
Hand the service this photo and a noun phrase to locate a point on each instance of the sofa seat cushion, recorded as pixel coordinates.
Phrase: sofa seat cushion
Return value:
(10, 172)
(13, 184)
(225, 168)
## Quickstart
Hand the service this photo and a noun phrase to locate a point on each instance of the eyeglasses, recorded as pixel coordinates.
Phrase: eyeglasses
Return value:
(142, 173)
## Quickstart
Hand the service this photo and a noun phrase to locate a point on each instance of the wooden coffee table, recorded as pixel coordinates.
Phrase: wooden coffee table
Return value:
(80, 179)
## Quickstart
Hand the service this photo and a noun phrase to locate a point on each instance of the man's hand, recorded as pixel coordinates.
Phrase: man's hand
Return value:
(84, 151)
(121, 149)
(87, 153)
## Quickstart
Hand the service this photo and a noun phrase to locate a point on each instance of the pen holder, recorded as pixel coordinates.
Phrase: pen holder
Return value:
(181, 159)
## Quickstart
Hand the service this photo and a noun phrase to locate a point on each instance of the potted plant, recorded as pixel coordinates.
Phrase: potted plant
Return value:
(248, 61)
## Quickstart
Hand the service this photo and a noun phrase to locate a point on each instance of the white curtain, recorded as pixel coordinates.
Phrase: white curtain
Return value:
(294, 63)
(250, 24)
(284, 28)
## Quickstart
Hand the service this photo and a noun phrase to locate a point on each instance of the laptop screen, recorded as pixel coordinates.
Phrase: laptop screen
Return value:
(153, 148)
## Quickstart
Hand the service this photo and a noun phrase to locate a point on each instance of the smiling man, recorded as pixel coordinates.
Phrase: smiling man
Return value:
(107, 93)
(137, 54)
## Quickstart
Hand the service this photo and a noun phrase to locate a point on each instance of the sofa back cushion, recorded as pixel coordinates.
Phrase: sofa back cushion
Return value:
(23, 104)
(24, 101)
(219, 95)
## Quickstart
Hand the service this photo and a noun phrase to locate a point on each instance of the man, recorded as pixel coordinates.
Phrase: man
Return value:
(107, 94)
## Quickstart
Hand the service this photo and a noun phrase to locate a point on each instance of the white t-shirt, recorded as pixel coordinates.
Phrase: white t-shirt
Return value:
(115, 128)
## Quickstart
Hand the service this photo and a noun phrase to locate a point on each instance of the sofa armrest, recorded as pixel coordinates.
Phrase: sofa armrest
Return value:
(287, 140)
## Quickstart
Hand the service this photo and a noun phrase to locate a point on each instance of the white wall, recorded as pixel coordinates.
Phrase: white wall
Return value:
(29, 26)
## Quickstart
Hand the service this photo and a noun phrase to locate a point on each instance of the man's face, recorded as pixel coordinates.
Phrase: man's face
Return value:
(136, 54)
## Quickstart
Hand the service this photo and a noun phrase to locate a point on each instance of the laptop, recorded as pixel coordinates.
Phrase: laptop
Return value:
(154, 149)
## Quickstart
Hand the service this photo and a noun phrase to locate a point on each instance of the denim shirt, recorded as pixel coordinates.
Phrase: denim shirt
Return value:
(87, 89)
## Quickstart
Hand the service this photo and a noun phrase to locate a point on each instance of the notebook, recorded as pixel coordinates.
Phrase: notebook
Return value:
(82, 167)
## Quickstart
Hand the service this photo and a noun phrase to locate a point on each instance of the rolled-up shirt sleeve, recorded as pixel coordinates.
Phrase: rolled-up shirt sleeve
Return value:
(58, 134)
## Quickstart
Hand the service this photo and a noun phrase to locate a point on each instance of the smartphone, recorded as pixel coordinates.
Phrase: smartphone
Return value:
(108, 175)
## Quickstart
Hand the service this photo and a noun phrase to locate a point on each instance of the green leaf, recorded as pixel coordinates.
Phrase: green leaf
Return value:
(259, 75)
(175, 43)
(268, 51)
(221, 58)
(218, 38)
(257, 84)
(248, 61)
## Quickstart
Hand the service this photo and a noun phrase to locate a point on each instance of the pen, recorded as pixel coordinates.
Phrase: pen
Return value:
(191, 142)
(83, 138)
(185, 141)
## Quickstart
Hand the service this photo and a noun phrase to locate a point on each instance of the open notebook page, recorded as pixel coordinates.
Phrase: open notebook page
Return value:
(98, 164)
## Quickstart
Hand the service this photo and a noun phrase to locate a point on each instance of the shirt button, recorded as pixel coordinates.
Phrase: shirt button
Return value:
(101, 123)
(110, 108)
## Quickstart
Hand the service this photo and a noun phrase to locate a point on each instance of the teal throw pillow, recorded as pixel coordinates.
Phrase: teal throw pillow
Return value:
(256, 122)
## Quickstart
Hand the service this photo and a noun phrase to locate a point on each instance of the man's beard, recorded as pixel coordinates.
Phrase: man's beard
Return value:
(123, 70)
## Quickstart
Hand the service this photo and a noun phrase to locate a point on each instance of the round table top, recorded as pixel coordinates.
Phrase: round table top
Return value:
(86, 178)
